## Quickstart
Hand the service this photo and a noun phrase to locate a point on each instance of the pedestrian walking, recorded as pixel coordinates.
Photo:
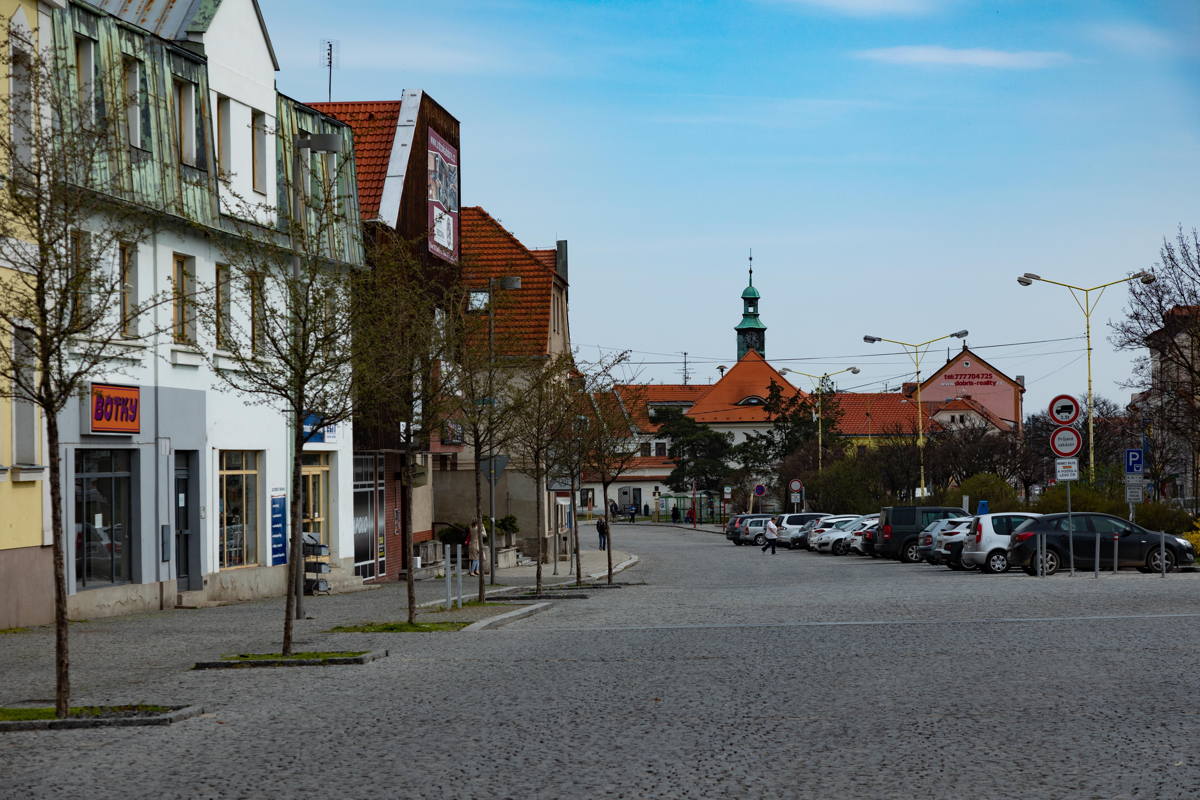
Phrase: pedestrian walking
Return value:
(602, 529)
(675, 514)
(772, 533)
(475, 547)
(632, 513)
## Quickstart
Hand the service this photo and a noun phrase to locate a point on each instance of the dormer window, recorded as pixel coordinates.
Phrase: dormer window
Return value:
(752, 400)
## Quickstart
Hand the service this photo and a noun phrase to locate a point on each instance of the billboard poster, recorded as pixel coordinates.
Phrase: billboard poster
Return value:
(443, 198)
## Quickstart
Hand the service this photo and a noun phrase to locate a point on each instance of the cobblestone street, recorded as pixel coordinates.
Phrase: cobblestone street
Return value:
(715, 672)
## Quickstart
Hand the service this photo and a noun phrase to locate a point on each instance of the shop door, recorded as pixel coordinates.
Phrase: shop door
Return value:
(183, 521)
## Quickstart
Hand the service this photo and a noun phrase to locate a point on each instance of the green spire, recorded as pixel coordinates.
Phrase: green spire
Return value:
(751, 332)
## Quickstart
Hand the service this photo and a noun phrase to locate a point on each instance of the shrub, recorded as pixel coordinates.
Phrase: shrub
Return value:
(1163, 517)
(1083, 498)
(984, 486)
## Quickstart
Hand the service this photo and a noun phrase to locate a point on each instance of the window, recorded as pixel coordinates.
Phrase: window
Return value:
(258, 150)
(222, 142)
(127, 254)
(258, 321)
(224, 307)
(370, 521)
(24, 413)
(477, 301)
(79, 266)
(645, 449)
(188, 124)
(447, 462)
(85, 77)
(660, 449)
(21, 124)
(103, 517)
(137, 104)
(183, 280)
(238, 513)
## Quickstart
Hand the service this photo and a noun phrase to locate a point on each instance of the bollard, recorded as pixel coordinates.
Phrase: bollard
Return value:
(1162, 553)
(1040, 556)
(1096, 565)
(458, 569)
(1116, 562)
(446, 562)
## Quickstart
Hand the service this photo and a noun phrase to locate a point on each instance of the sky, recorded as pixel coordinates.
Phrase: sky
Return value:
(893, 165)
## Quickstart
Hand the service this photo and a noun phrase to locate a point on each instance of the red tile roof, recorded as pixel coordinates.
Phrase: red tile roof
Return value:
(639, 397)
(548, 258)
(881, 413)
(491, 251)
(750, 376)
(374, 126)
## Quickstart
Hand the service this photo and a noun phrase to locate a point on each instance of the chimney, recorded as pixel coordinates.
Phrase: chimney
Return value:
(907, 389)
(1021, 380)
(560, 259)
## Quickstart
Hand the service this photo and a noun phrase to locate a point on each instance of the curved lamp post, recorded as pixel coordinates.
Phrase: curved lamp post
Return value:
(1087, 305)
(818, 382)
(916, 351)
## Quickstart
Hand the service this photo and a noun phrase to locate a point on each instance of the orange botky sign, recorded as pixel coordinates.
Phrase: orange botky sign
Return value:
(115, 409)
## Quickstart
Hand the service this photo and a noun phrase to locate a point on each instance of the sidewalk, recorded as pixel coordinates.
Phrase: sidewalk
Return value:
(137, 658)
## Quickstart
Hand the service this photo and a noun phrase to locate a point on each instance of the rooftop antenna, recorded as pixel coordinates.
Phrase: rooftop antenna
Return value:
(329, 59)
(687, 376)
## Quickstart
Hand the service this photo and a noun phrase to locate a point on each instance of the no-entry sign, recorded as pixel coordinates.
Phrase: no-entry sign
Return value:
(1066, 442)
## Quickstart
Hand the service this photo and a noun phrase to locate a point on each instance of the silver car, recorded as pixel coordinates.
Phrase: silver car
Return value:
(986, 543)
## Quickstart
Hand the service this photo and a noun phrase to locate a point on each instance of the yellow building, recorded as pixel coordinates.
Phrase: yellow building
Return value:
(26, 563)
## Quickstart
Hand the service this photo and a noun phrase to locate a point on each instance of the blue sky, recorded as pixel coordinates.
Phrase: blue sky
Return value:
(894, 164)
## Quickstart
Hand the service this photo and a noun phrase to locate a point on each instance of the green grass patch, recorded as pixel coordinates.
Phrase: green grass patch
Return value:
(13, 630)
(400, 627)
(78, 712)
(314, 654)
(472, 604)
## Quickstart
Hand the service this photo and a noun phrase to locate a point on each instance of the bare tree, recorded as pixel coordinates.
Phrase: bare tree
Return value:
(67, 232)
(543, 394)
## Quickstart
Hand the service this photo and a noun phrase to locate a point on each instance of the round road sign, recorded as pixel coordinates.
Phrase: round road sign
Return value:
(759, 490)
(1064, 409)
(795, 484)
(1066, 442)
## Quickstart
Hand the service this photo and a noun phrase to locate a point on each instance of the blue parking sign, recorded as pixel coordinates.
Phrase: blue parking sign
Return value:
(1134, 461)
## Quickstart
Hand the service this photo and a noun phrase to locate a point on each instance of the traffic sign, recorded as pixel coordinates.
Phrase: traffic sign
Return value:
(759, 490)
(1135, 462)
(795, 484)
(1066, 442)
(1133, 492)
(1064, 409)
(728, 492)
(797, 497)
(1066, 469)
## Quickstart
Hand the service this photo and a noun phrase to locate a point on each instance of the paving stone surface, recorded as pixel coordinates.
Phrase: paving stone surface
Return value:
(729, 673)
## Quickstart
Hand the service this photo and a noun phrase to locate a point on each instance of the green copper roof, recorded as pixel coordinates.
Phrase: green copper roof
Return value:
(750, 293)
(749, 322)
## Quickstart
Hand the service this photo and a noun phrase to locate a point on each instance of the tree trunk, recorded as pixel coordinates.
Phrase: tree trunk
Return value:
(62, 651)
(296, 561)
(539, 527)
(406, 494)
(575, 531)
(479, 522)
(608, 525)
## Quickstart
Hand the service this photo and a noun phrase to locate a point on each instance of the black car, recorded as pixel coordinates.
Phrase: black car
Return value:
(899, 527)
(1136, 546)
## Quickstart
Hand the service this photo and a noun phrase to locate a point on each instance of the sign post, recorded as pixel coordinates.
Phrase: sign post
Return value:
(796, 486)
(1135, 465)
(1066, 443)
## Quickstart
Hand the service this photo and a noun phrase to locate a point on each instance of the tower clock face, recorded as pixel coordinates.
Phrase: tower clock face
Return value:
(754, 340)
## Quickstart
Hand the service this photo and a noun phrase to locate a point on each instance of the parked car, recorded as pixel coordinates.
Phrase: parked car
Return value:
(927, 538)
(754, 531)
(1136, 546)
(837, 539)
(986, 543)
(899, 526)
(825, 525)
(793, 530)
(858, 538)
(736, 528)
(948, 543)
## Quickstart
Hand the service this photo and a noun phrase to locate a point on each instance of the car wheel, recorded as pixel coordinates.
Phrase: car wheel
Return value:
(1154, 565)
(953, 563)
(908, 553)
(760, 539)
(1051, 563)
(996, 562)
(965, 565)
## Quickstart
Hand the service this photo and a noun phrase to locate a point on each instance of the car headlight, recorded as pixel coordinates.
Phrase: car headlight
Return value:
(1183, 542)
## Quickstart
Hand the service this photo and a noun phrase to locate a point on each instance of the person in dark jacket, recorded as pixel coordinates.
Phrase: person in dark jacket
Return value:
(602, 529)
(675, 514)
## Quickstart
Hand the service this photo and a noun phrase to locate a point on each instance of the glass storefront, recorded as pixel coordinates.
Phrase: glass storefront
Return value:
(369, 521)
(103, 517)
(239, 512)
(314, 478)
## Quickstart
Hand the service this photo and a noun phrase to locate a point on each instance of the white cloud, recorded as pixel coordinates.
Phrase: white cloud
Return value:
(966, 57)
(1132, 37)
(872, 8)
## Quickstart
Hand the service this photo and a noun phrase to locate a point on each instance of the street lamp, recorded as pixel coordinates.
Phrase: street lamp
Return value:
(818, 385)
(1087, 306)
(508, 283)
(916, 351)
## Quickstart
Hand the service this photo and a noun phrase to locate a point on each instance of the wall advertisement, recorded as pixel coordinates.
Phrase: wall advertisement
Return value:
(443, 198)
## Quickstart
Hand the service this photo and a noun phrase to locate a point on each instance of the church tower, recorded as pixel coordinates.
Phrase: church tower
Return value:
(751, 333)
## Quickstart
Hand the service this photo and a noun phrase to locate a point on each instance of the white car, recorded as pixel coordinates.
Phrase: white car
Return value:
(825, 526)
(986, 543)
(947, 543)
(856, 539)
(837, 540)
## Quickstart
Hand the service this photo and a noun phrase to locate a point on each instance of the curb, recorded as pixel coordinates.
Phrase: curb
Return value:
(177, 715)
(624, 565)
(292, 662)
(506, 617)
